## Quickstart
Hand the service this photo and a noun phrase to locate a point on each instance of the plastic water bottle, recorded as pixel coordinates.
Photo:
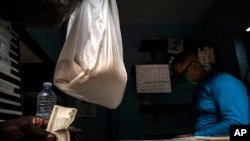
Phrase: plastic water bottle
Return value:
(46, 99)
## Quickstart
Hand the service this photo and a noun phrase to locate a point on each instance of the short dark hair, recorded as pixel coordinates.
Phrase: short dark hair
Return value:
(182, 57)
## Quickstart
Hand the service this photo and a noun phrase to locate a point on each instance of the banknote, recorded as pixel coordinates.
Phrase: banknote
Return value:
(60, 120)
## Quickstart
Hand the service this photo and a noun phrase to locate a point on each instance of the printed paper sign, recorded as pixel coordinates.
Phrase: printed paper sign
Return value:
(153, 79)
(85, 109)
(175, 46)
(206, 55)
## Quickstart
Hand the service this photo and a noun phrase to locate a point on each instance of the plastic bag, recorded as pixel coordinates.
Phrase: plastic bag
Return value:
(90, 66)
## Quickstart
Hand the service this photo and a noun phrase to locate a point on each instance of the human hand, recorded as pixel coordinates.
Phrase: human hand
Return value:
(184, 135)
(74, 133)
(23, 127)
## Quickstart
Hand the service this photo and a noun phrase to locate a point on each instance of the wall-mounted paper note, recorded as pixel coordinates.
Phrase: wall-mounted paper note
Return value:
(153, 79)
(175, 46)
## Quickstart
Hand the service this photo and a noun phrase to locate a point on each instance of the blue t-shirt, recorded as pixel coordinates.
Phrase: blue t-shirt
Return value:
(220, 101)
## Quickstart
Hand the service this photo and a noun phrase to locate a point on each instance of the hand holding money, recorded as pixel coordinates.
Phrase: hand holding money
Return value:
(60, 121)
(25, 128)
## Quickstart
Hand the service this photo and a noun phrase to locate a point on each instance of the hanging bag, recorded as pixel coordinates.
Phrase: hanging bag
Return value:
(90, 66)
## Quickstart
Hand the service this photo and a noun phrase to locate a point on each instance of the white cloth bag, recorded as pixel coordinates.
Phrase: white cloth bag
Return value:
(90, 66)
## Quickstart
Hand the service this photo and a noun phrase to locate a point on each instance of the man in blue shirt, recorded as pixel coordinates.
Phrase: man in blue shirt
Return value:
(220, 100)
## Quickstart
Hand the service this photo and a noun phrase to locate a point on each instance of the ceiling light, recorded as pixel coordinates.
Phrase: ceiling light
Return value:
(248, 29)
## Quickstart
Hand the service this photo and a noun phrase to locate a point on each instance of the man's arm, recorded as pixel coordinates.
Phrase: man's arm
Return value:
(233, 106)
(37, 13)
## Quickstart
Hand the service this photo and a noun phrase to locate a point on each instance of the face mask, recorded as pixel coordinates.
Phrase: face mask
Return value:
(188, 82)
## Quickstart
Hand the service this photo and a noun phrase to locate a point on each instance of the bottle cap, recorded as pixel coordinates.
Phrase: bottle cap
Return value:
(47, 84)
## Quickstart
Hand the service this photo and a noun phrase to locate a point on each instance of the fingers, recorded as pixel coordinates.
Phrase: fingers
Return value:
(40, 122)
(36, 129)
(74, 133)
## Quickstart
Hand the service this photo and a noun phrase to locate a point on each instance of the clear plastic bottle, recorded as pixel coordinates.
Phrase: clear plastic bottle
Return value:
(46, 99)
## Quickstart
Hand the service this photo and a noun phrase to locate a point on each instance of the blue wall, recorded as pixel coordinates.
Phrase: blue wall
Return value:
(51, 40)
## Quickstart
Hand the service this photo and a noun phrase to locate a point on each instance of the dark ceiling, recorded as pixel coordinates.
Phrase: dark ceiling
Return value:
(163, 11)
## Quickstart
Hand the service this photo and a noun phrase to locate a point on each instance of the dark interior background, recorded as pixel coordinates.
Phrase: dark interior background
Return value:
(216, 23)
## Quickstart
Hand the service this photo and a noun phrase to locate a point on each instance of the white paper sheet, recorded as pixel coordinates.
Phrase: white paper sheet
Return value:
(153, 79)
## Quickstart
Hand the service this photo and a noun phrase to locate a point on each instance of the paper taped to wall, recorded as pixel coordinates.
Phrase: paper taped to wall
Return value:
(153, 78)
